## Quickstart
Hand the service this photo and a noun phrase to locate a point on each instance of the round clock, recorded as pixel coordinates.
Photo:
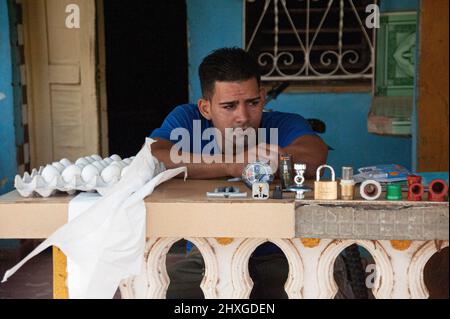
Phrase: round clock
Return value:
(257, 172)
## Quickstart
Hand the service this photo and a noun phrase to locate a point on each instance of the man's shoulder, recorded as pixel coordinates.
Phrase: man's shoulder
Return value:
(188, 109)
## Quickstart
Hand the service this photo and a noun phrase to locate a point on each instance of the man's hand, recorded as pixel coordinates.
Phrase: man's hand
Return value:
(263, 152)
(309, 150)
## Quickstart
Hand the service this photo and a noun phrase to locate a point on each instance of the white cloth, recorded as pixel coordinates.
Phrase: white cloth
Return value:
(106, 242)
(77, 206)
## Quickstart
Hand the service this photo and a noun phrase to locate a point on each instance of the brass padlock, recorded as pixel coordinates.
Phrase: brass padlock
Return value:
(327, 190)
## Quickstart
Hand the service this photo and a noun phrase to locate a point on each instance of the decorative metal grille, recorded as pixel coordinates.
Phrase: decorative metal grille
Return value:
(297, 40)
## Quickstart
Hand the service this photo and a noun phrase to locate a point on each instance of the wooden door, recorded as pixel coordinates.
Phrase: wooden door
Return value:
(61, 81)
(432, 103)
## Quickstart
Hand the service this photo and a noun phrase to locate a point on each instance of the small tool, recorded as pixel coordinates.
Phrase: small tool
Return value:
(277, 192)
(227, 192)
(260, 190)
(299, 179)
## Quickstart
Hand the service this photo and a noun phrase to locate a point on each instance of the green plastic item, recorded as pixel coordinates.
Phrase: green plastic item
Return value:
(394, 192)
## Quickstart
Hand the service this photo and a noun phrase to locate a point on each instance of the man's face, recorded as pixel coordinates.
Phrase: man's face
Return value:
(234, 105)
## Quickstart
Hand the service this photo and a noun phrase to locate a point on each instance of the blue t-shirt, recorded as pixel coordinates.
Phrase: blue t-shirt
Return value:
(290, 126)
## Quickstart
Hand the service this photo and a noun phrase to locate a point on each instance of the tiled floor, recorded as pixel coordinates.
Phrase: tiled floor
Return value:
(32, 281)
(35, 279)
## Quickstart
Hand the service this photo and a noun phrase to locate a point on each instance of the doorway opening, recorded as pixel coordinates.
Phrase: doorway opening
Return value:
(145, 51)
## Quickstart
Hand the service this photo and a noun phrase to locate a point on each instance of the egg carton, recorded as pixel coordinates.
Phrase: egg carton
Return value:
(90, 173)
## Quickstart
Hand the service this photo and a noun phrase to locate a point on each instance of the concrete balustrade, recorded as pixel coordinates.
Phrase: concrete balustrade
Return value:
(401, 237)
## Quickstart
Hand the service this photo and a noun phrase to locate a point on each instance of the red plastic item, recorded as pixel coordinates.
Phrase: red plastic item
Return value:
(437, 190)
(415, 192)
(413, 179)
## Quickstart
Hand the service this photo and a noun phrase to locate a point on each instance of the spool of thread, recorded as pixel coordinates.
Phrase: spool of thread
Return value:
(415, 192)
(370, 190)
(394, 192)
(437, 190)
(347, 183)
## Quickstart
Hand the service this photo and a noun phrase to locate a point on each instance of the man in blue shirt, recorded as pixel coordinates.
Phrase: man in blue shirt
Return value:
(232, 98)
(232, 101)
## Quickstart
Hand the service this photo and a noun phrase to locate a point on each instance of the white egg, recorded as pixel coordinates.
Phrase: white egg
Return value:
(124, 170)
(115, 157)
(60, 167)
(81, 162)
(96, 157)
(116, 163)
(122, 164)
(99, 166)
(104, 163)
(65, 162)
(108, 160)
(127, 161)
(111, 172)
(49, 173)
(89, 172)
(89, 159)
(70, 172)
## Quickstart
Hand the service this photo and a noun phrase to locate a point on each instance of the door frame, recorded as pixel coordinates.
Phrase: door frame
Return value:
(101, 77)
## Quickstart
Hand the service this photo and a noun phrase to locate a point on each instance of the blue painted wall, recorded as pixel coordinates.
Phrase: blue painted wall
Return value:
(398, 5)
(8, 166)
(218, 23)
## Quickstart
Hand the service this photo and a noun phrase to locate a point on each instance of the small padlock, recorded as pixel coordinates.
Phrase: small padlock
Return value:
(325, 190)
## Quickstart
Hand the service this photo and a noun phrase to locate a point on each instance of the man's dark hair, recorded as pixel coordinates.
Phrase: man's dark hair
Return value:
(226, 65)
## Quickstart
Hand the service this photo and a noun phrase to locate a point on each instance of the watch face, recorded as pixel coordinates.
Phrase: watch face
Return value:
(257, 172)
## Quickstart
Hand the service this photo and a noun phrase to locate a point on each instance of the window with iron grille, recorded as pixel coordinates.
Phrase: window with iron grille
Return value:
(311, 43)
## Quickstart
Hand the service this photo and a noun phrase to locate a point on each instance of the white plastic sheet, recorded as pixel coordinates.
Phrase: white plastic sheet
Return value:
(106, 242)
(77, 206)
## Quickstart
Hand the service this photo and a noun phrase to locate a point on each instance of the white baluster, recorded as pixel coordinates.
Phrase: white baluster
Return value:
(212, 275)
(157, 277)
(420, 257)
(310, 256)
(221, 278)
(242, 282)
(241, 279)
(327, 285)
(294, 283)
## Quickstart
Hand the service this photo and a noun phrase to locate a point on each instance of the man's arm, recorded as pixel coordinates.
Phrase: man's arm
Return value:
(204, 170)
(309, 150)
